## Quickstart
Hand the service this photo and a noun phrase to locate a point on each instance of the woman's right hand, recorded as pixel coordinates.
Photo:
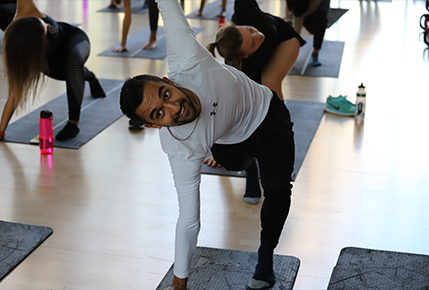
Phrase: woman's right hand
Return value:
(211, 162)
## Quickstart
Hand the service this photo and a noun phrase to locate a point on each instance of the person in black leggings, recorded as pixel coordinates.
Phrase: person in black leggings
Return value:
(313, 15)
(274, 48)
(34, 44)
(153, 21)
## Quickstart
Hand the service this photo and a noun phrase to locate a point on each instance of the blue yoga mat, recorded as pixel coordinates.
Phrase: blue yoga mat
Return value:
(330, 56)
(137, 7)
(96, 115)
(212, 10)
(137, 41)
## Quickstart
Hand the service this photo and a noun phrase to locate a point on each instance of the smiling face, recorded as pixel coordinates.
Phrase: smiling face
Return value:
(252, 39)
(165, 104)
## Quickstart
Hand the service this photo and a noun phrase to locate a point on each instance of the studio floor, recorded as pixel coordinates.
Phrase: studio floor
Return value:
(112, 203)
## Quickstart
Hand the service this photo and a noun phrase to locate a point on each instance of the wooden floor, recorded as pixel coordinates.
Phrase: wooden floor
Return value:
(112, 203)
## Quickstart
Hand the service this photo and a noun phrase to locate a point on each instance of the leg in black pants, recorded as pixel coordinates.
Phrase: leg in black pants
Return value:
(273, 145)
(75, 74)
(153, 21)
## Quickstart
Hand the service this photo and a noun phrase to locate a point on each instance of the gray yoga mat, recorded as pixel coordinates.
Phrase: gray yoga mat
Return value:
(217, 269)
(137, 41)
(17, 241)
(96, 115)
(213, 9)
(330, 56)
(362, 269)
(137, 7)
(335, 14)
(306, 117)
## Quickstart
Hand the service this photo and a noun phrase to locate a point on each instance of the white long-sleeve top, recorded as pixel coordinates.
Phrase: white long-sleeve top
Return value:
(232, 107)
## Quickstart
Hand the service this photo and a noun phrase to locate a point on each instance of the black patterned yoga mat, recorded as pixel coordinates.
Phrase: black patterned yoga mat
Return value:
(217, 269)
(306, 117)
(17, 241)
(362, 269)
(96, 115)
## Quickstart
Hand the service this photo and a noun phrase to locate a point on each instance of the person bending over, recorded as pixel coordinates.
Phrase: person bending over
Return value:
(205, 106)
(313, 15)
(263, 46)
(34, 44)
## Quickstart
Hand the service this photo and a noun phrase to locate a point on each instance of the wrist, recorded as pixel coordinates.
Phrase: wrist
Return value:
(2, 134)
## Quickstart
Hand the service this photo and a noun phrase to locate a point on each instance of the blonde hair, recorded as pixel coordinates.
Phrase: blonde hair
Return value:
(24, 48)
(228, 43)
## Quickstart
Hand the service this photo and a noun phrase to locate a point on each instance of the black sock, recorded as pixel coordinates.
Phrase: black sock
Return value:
(253, 188)
(264, 269)
(68, 132)
(96, 89)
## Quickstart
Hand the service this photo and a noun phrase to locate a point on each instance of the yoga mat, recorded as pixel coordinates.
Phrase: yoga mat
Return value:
(137, 41)
(306, 117)
(137, 7)
(216, 269)
(96, 115)
(17, 241)
(213, 9)
(335, 14)
(330, 56)
(359, 268)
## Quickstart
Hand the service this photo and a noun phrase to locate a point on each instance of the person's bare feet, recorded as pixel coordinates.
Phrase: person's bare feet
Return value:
(120, 49)
(151, 45)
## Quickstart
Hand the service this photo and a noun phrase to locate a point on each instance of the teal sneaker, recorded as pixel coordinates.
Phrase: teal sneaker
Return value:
(334, 100)
(340, 106)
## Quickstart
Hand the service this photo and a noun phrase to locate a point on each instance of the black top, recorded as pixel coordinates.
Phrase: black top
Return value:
(275, 29)
(58, 36)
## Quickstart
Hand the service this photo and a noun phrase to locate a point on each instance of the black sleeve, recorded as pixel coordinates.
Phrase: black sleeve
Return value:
(285, 31)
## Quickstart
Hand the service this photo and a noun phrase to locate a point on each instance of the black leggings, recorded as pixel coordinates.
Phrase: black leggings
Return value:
(316, 23)
(73, 71)
(272, 144)
(7, 11)
(153, 14)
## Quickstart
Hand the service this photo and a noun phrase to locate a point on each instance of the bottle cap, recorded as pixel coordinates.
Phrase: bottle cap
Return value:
(361, 86)
(45, 114)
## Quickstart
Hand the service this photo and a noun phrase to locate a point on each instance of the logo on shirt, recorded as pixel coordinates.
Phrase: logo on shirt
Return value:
(214, 109)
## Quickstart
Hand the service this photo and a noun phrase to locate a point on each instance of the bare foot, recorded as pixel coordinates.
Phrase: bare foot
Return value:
(120, 49)
(151, 45)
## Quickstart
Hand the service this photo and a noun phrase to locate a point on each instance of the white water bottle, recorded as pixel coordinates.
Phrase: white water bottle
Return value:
(360, 103)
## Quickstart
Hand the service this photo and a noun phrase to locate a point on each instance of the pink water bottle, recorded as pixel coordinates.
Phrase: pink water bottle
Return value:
(46, 133)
